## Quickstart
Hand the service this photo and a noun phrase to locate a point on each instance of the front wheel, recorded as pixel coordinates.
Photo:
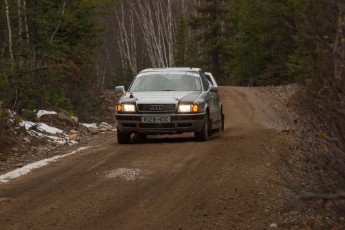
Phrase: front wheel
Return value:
(221, 129)
(123, 138)
(139, 137)
(202, 135)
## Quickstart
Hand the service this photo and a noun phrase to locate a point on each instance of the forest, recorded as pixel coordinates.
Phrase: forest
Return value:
(60, 54)
(63, 53)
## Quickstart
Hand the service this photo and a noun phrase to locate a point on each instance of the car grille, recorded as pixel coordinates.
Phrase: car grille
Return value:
(156, 108)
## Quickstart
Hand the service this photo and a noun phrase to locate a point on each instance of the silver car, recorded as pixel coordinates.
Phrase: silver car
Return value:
(169, 101)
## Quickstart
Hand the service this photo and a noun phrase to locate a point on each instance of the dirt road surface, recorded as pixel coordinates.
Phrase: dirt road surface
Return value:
(169, 182)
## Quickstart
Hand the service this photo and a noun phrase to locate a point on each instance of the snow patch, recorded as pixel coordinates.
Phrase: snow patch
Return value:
(39, 164)
(11, 113)
(39, 129)
(93, 125)
(129, 174)
(40, 113)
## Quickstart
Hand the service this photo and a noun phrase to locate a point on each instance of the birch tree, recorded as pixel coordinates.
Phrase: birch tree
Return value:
(59, 23)
(26, 23)
(20, 22)
(10, 47)
(155, 23)
(126, 39)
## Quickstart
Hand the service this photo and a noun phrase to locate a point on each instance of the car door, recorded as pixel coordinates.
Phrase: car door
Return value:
(215, 97)
(212, 99)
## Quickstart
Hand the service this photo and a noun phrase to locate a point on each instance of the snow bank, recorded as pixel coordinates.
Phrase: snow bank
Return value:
(53, 134)
(93, 125)
(41, 127)
(39, 164)
(40, 113)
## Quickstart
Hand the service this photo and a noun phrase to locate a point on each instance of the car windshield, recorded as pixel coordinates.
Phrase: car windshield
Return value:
(159, 81)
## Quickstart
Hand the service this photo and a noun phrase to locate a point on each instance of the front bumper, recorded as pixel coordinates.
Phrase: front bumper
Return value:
(179, 123)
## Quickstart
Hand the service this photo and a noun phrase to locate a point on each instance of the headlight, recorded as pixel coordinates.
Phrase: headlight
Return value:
(126, 108)
(188, 108)
(184, 108)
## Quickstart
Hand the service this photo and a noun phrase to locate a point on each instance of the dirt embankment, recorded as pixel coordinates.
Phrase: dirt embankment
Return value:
(19, 146)
(168, 182)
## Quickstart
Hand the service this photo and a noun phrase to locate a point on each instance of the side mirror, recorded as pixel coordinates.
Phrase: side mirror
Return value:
(213, 89)
(120, 89)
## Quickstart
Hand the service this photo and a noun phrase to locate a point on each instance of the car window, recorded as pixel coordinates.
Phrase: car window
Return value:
(209, 79)
(157, 81)
(204, 80)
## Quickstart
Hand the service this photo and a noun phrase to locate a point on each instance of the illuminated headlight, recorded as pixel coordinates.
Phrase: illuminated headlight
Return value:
(188, 108)
(125, 108)
(128, 108)
(184, 108)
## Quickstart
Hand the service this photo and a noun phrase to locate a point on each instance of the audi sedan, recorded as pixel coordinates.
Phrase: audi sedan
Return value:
(169, 101)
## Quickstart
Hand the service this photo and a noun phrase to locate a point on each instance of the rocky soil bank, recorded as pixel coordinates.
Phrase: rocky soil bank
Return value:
(26, 138)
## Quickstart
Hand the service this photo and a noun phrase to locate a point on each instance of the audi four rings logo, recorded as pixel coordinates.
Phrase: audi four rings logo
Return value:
(156, 107)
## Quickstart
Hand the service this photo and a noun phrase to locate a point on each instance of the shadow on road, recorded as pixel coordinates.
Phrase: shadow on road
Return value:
(174, 138)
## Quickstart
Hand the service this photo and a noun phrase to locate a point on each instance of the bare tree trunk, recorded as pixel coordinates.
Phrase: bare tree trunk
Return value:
(58, 26)
(158, 27)
(148, 24)
(144, 25)
(9, 34)
(126, 41)
(339, 47)
(20, 23)
(183, 8)
(160, 44)
(171, 34)
(101, 74)
(26, 23)
(20, 30)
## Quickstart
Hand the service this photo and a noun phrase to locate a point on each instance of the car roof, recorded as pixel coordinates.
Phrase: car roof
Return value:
(171, 69)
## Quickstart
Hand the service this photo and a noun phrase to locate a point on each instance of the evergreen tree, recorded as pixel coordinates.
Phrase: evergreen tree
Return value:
(181, 43)
(261, 42)
(209, 26)
(316, 30)
(53, 42)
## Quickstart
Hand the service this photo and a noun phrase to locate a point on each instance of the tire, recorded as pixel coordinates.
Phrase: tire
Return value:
(139, 137)
(220, 129)
(202, 135)
(123, 138)
(223, 122)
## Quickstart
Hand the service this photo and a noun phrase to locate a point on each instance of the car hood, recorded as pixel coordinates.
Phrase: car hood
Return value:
(164, 97)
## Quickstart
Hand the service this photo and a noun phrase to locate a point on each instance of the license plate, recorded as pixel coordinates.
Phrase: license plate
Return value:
(155, 119)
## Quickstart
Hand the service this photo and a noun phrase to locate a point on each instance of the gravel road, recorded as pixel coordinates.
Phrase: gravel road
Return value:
(168, 182)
